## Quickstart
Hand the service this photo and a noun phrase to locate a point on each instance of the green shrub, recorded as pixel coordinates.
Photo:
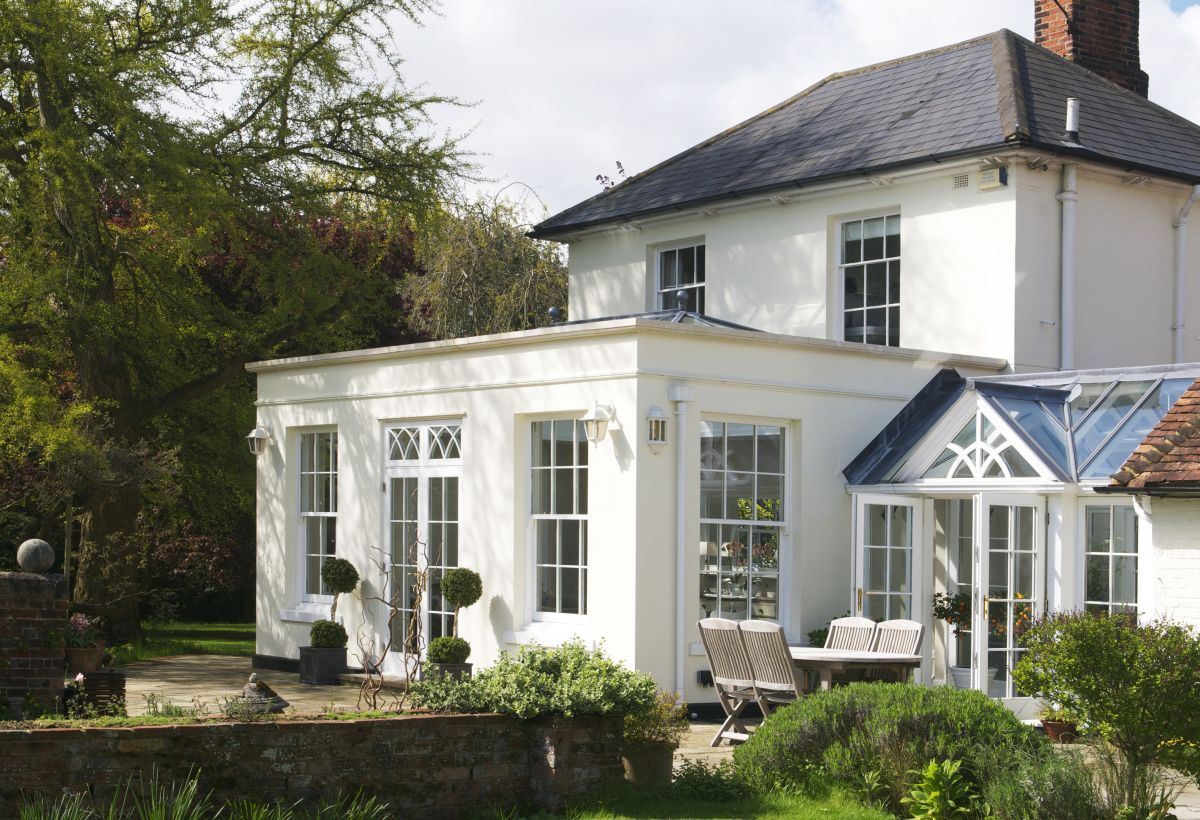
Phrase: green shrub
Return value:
(942, 793)
(339, 575)
(461, 587)
(1139, 684)
(448, 649)
(569, 680)
(696, 780)
(1032, 787)
(327, 635)
(666, 721)
(879, 734)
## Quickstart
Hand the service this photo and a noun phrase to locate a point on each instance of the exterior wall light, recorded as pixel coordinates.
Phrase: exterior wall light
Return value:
(595, 422)
(656, 428)
(258, 440)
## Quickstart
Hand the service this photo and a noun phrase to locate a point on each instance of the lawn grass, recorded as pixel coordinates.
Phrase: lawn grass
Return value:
(626, 802)
(161, 639)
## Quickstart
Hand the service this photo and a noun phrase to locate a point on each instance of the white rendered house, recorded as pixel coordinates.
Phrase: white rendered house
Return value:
(917, 248)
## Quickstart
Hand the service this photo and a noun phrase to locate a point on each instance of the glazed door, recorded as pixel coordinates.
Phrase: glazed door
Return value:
(887, 528)
(1008, 590)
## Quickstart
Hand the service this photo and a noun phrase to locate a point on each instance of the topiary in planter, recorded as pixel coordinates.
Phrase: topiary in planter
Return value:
(340, 577)
(448, 649)
(328, 635)
(461, 587)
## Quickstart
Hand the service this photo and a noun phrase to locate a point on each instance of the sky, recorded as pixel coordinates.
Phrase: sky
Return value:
(564, 89)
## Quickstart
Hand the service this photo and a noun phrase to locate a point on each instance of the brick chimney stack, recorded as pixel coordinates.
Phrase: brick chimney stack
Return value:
(1100, 35)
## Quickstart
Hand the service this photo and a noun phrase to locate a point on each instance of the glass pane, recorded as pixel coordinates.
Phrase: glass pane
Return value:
(569, 591)
(992, 469)
(765, 550)
(876, 515)
(564, 490)
(1106, 416)
(998, 526)
(547, 541)
(323, 446)
(1018, 467)
(570, 543)
(901, 606)
(450, 544)
(1024, 579)
(893, 236)
(770, 498)
(307, 443)
(873, 238)
(712, 445)
(1124, 579)
(1089, 392)
(894, 282)
(1131, 433)
(712, 494)
(997, 574)
(581, 446)
(540, 436)
(875, 607)
(855, 286)
(853, 329)
(852, 242)
(739, 496)
(1041, 427)
(700, 263)
(875, 569)
(1096, 578)
(893, 327)
(741, 447)
(1024, 534)
(547, 589)
(770, 449)
(564, 443)
(687, 266)
(1098, 533)
(308, 501)
(581, 492)
(313, 585)
(541, 491)
(901, 533)
(875, 332)
(322, 492)
(997, 616)
(710, 538)
(900, 579)
(877, 284)
(667, 270)
(1124, 530)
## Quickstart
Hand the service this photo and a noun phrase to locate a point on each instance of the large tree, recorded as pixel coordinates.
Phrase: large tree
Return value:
(185, 186)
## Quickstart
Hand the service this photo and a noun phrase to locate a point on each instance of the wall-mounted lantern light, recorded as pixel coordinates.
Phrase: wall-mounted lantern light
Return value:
(656, 428)
(258, 440)
(595, 422)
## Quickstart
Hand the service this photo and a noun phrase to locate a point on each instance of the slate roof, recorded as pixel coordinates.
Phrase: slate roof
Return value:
(1168, 459)
(976, 97)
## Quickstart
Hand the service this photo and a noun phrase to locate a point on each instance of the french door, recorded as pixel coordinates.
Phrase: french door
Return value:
(888, 584)
(1008, 585)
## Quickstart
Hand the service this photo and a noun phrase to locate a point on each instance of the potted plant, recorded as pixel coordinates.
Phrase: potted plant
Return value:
(83, 651)
(651, 738)
(460, 587)
(323, 661)
(955, 609)
(1059, 724)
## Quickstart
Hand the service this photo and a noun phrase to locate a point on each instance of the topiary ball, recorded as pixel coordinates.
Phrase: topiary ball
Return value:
(461, 586)
(327, 635)
(448, 649)
(339, 575)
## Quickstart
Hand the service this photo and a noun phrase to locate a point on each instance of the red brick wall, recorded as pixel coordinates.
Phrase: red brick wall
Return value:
(33, 609)
(424, 766)
(1103, 37)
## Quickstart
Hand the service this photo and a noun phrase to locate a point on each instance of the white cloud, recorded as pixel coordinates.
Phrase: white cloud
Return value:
(564, 89)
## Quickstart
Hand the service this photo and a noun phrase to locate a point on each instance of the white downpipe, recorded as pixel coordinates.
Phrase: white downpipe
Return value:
(1068, 197)
(681, 395)
(1179, 326)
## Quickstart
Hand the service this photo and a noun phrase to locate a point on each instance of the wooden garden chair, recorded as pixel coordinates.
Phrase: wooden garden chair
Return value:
(732, 675)
(856, 634)
(775, 681)
(896, 637)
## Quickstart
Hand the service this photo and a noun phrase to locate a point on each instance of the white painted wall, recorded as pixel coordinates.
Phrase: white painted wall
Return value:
(1169, 566)
(773, 267)
(834, 397)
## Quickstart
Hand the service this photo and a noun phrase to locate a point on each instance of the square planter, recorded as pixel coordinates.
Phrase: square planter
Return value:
(454, 670)
(320, 666)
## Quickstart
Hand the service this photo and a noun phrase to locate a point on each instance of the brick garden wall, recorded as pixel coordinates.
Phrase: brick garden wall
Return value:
(33, 610)
(423, 765)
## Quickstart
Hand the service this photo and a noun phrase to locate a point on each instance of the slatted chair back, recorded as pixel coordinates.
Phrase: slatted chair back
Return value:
(770, 659)
(854, 634)
(726, 653)
(899, 637)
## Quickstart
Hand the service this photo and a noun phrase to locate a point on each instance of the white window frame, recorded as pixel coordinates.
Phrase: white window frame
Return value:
(842, 264)
(306, 597)
(1112, 502)
(790, 513)
(534, 614)
(664, 299)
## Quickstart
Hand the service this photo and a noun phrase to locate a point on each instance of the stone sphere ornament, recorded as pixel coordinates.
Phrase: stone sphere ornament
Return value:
(35, 555)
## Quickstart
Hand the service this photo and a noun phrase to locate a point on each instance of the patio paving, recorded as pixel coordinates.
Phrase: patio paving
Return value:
(209, 678)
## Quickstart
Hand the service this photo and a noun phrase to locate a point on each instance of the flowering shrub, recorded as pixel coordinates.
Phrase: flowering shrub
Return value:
(665, 722)
(953, 609)
(81, 632)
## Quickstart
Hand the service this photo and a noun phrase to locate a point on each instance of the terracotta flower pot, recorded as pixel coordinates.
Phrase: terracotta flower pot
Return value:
(83, 659)
(1061, 731)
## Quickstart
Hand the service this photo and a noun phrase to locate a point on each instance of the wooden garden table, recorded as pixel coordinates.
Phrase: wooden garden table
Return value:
(827, 661)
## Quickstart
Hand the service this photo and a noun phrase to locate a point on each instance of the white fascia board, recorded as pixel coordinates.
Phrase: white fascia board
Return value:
(550, 336)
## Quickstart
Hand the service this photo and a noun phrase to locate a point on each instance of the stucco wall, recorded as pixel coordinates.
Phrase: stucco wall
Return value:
(772, 266)
(833, 398)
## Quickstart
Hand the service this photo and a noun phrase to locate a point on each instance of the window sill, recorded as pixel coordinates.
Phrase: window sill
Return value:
(305, 613)
(552, 634)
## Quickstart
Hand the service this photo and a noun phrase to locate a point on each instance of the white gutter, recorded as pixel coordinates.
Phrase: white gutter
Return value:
(1180, 324)
(681, 395)
(1068, 197)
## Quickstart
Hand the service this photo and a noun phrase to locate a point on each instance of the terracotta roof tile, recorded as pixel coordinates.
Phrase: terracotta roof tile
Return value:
(1170, 453)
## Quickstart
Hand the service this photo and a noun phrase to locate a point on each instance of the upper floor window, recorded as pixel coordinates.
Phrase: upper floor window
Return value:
(870, 275)
(681, 269)
(558, 479)
(318, 506)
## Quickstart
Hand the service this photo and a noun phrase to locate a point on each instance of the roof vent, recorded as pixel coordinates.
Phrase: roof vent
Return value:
(1072, 132)
(962, 180)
